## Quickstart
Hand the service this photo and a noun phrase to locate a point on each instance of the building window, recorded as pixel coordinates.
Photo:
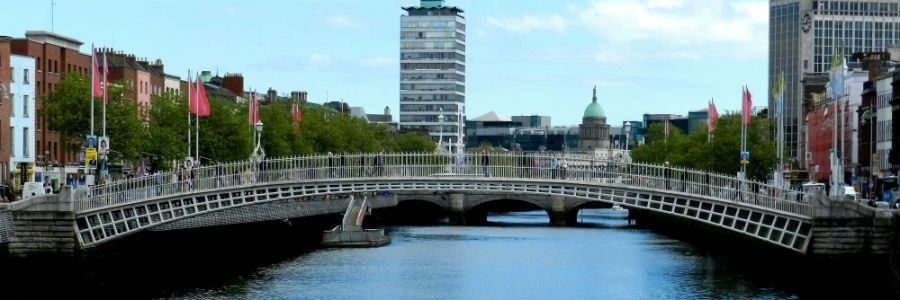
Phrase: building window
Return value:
(12, 141)
(12, 74)
(12, 105)
(25, 76)
(25, 150)
(25, 105)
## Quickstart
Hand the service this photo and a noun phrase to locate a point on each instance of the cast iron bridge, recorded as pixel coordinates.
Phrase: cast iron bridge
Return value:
(283, 188)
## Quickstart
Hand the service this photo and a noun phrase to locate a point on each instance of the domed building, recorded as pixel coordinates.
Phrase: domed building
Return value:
(593, 133)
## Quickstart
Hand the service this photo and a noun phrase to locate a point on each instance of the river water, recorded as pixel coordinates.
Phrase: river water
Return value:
(516, 257)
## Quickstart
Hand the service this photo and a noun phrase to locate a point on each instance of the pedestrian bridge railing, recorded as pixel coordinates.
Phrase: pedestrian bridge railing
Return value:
(568, 168)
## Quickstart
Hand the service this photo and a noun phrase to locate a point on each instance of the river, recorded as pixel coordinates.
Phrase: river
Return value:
(519, 257)
(516, 257)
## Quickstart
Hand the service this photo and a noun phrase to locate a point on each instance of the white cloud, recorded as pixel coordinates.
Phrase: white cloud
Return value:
(377, 61)
(526, 24)
(342, 22)
(319, 59)
(711, 27)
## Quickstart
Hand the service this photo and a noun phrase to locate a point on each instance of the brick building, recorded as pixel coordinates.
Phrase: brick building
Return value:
(5, 63)
(55, 55)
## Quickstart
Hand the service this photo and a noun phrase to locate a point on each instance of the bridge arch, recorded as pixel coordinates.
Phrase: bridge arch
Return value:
(478, 213)
(414, 211)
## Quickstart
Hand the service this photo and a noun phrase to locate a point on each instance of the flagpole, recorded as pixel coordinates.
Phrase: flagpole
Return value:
(197, 140)
(93, 82)
(744, 132)
(105, 90)
(709, 121)
(189, 114)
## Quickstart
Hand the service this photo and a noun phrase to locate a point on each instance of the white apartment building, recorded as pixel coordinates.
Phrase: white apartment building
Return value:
(22, 112)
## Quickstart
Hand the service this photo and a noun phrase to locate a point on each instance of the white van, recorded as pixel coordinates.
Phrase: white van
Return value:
(850, 194)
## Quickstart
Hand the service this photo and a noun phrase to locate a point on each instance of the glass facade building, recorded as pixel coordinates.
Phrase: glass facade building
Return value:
(433, 70)
(804, 35)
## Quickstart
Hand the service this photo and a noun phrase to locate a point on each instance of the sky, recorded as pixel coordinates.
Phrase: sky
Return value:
(523, 57)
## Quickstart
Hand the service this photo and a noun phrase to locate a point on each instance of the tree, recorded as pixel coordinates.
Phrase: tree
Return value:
(225, 135)
(411, 142)
(167, 130)
(67, 111)
(719, 155)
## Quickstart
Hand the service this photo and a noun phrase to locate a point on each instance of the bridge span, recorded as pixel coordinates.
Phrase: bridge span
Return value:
(282, 188)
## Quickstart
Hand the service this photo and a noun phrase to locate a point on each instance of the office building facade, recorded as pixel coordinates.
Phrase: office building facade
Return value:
(804, 35)
(432, 70)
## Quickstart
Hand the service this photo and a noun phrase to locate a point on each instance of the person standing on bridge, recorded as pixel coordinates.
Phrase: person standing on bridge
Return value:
(554, 165)
(341, 164)
(525, 167)
(329, 165)
(485, 162)
(379, 164)
(563, 167)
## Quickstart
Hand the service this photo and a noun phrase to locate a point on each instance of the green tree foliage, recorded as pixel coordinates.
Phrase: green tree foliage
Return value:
(68, 112)
(160, 133)
(167, 131)
(410, 142)
(719, 155)
(225, 135)
(323, 131)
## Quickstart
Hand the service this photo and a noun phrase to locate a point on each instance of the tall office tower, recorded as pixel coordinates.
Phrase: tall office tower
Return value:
(432, 70)
(803, 37)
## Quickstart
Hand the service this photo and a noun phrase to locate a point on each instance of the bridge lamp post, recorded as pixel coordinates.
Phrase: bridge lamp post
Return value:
(258, 153)
(627, 133)
(441, 134)
(867, 117)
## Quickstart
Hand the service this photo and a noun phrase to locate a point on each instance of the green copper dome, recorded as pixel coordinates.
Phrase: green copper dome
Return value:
(594, 110)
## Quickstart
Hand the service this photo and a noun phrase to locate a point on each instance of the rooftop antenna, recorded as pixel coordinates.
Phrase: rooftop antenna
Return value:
(52, 6)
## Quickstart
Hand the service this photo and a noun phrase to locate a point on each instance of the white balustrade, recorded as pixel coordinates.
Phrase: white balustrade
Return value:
(581, 169)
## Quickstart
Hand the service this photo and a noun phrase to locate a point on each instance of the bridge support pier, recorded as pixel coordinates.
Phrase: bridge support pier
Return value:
(558, 214)
(846, 229)
(456, 211)
(43, 226)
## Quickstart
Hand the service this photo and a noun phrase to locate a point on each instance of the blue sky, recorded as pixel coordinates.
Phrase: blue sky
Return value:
(523, 57)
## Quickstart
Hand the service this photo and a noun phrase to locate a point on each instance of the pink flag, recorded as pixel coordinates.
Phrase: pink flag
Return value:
(202, 102)
(747, 106)
(252, 112)
(713, 117)
(105, 79)
(298, 116)
(95, 80)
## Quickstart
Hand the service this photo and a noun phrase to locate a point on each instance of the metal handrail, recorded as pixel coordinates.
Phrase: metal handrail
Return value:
(581, 168)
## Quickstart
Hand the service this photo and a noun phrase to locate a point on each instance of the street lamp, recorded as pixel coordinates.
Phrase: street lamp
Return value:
(258, 153)
(866, 117)
(627, 133)
(440, 118)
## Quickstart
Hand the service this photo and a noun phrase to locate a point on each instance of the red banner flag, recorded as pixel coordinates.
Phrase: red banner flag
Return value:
(253, 110)
(747, 106)
(202, 102)
(295, 111)
(713, 116)
(95, 79)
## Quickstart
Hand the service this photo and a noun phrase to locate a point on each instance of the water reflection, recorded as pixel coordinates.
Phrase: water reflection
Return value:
(517, 257)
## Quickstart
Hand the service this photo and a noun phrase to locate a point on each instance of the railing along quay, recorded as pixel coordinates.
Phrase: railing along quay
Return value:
(500, 166)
